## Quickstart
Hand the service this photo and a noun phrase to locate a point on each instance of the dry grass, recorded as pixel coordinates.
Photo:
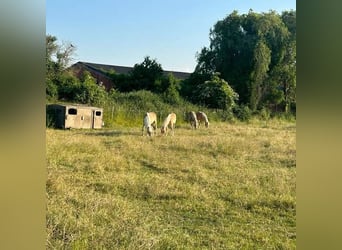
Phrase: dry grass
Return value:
(231, 186)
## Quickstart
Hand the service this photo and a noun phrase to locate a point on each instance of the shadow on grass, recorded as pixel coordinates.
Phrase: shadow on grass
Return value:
(113, 133)
(152, 167)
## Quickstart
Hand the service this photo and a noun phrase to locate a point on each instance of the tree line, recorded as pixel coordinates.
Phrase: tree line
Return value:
(249, 66)
(256, 54)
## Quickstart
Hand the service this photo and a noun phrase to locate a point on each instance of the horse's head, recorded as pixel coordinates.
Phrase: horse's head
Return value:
(162, 130)
(149, 130)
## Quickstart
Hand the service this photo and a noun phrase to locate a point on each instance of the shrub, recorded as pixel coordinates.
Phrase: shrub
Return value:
(216, 93)
(242, 112)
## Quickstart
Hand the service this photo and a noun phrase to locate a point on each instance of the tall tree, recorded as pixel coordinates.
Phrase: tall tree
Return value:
(58, 56)
(261, 61)
(51, 67)
(255, 53)
(288, 78)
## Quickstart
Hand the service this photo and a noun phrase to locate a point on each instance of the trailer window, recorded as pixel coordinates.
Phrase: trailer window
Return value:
(72, 111)
(98, 113)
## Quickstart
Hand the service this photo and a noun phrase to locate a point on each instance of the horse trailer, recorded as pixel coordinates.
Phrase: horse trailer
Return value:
(74, 116)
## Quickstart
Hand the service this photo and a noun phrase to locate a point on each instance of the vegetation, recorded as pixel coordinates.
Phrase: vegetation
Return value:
(256, 54)
(250, 63)
(228, 187)
(231, 186)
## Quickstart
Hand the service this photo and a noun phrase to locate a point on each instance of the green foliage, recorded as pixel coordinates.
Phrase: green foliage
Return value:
(129, 108)
(265, 114)
(122, 82)
(262, 59)
(84, 91)
(216, 93)
(68, 87)
(256, 54)
(188, 86)
(58, 57)
(51, 90)
(242, 112)
(91, 93)
(145, 74)
(171, 94)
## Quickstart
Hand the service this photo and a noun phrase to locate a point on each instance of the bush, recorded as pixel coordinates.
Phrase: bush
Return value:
(216, 93)
(242, 112)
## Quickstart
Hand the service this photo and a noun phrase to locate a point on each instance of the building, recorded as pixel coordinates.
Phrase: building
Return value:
(100, 72)
(74, 116)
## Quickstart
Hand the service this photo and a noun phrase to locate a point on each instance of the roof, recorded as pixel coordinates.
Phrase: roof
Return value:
(126, 70)
(72, 105)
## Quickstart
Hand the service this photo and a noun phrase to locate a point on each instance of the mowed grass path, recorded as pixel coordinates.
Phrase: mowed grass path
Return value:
(232, 186)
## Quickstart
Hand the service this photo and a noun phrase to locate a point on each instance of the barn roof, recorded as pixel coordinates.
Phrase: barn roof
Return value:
(101, 68)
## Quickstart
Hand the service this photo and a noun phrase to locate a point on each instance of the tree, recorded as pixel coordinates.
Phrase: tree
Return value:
(288, 78)
(89, 92)
(58, 58)
(65, 54)
(262, 59)
(255, 53)
(51, 67)
(171, 94)
(216, 93)
(189, 85)
(146, 74)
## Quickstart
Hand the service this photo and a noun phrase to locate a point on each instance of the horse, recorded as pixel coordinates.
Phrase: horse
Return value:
(149, 123)
(191, 117)
(202, 117)
(169, 121)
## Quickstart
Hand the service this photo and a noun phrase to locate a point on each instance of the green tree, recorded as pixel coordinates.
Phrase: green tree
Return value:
(89, 92)
(189, 85)
(255, 53)
(171, 94)
(58, 57)
(68, 86)
(216, 93)
(51, 68)
(262, 59)
(287, 77)
(146, 74)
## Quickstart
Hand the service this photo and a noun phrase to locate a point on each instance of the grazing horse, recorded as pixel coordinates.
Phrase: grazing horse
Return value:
(202, 117)
(191, 117)
(150, 123)
(169, 121)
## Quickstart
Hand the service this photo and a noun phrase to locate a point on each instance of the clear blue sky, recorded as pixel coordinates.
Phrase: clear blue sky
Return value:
(124, 32)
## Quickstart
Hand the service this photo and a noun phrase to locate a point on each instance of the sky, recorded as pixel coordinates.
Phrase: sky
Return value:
(125, 32)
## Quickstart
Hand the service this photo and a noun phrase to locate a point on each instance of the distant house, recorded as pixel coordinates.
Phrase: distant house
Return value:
(99, 72)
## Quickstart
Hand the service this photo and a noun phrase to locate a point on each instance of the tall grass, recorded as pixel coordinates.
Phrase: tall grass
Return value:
(228, 187)
(127, 109)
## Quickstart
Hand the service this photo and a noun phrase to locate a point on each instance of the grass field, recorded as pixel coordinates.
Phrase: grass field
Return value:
(232, 186)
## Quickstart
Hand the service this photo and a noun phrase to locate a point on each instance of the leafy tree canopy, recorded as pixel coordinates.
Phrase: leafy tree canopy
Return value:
(256, 54)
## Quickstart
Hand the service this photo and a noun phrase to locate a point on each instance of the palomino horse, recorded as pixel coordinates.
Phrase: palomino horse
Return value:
(150, 123)
(202, 117)
(169, 121)
(191, 117)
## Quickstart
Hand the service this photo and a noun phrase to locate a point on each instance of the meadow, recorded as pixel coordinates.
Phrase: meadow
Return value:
(232, 186)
